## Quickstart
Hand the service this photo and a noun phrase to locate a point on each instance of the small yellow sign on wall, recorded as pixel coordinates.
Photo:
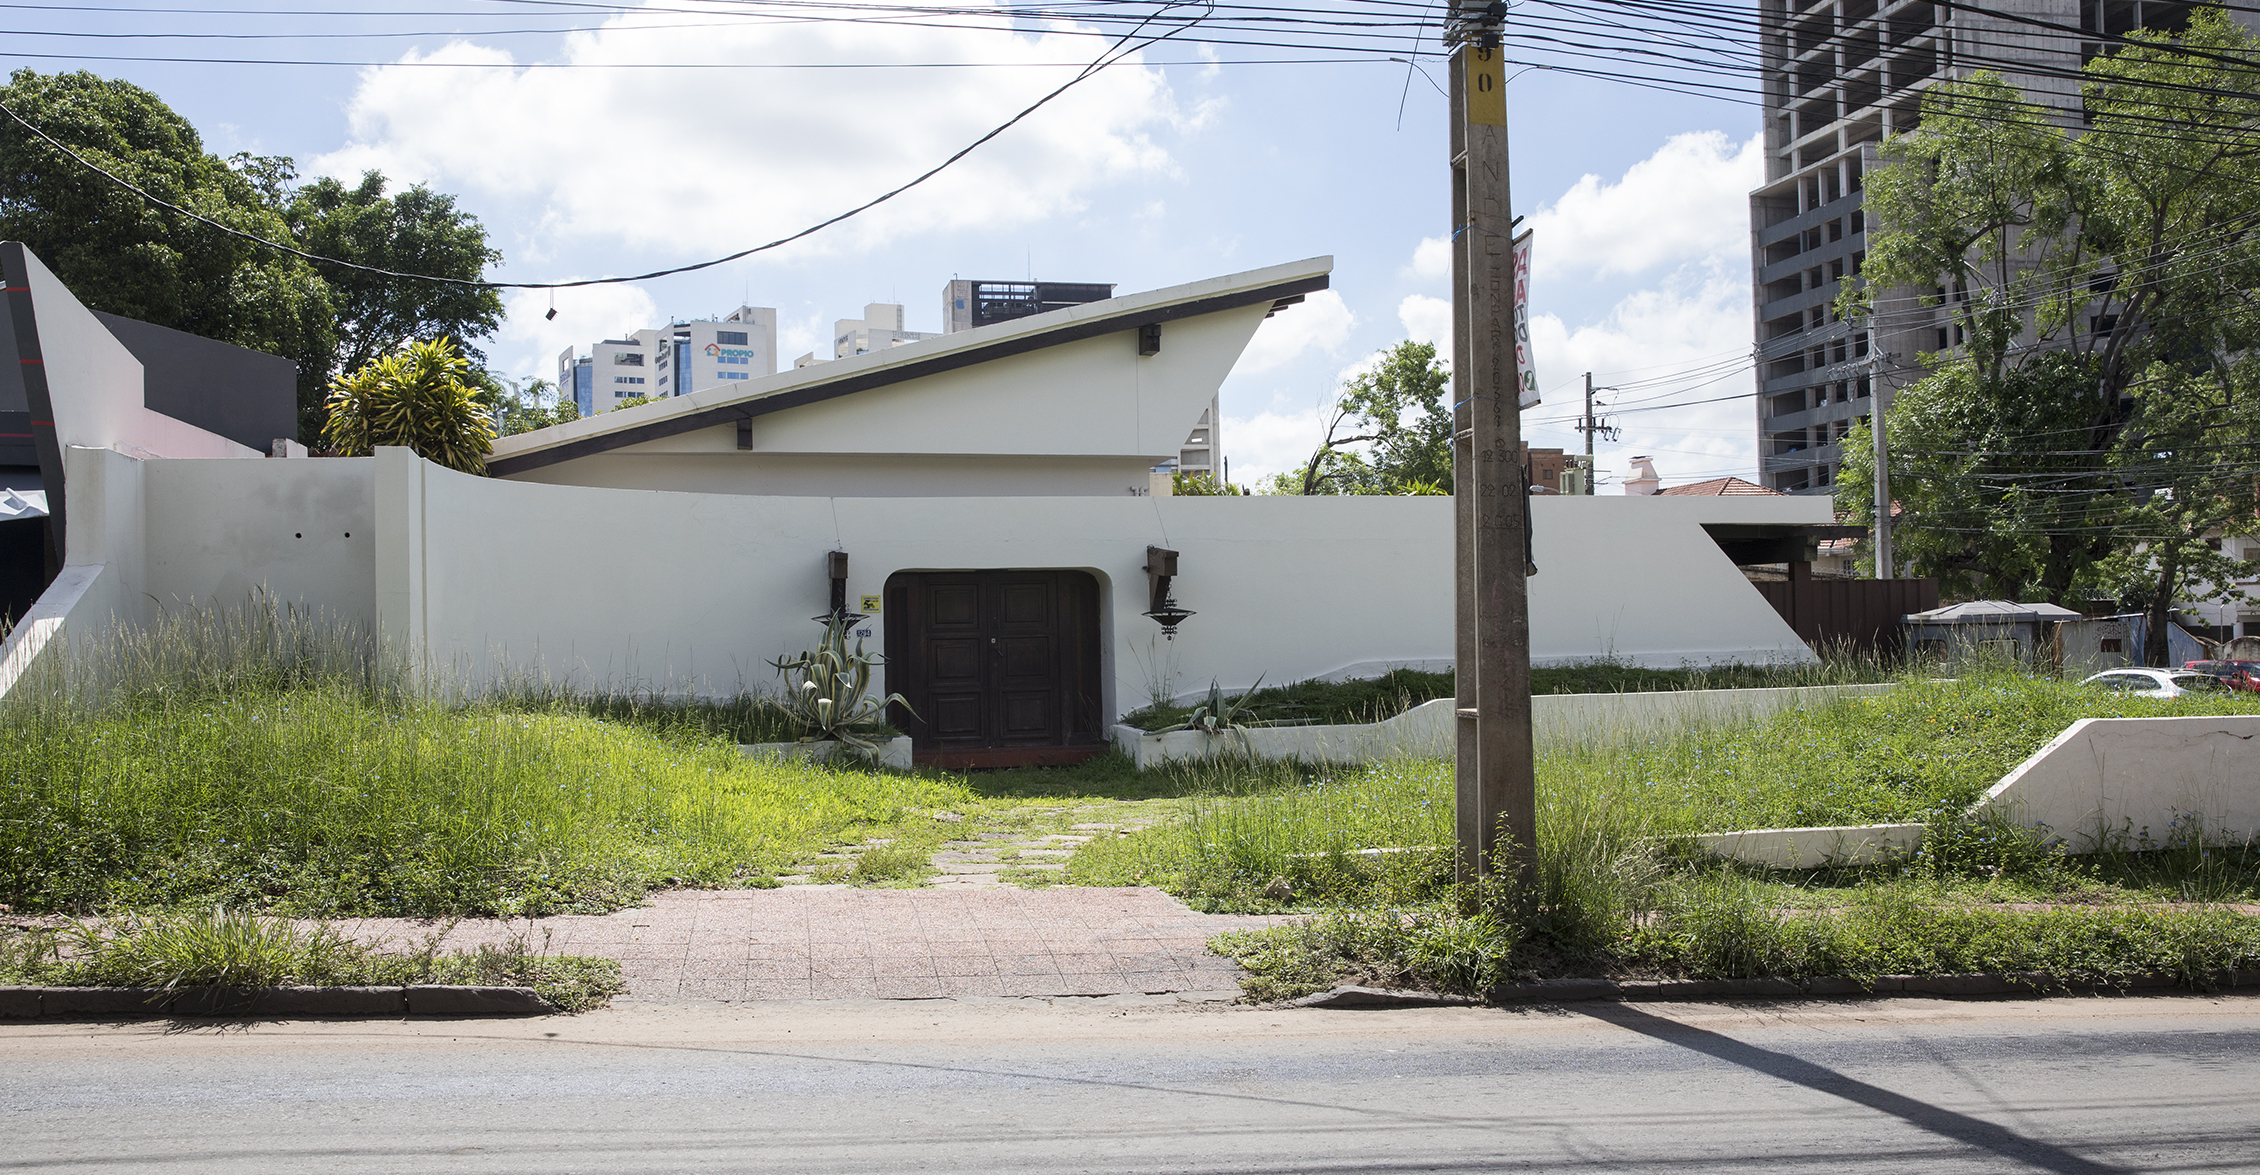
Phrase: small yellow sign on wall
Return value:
(870, 605)
(1486, 86)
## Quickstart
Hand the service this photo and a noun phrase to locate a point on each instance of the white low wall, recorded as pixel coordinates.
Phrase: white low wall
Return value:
(1427, 731)
(1811, 848)
(694, 593)
(2131, 781)
(893, 753)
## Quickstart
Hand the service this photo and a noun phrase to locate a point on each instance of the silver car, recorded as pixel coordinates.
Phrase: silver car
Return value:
(2157, 683)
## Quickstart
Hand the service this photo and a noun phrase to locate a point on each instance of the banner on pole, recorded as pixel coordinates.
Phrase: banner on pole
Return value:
(1529, 394)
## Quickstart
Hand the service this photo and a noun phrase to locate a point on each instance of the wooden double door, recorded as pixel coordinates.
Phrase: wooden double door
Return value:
(997, 665)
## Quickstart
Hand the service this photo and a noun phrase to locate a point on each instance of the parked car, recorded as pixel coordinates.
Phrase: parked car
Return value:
(2157, 683)
(2240, 675)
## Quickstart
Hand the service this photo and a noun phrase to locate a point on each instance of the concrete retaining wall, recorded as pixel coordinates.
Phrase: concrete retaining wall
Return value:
(2137, 781)
(894, 753)
(1427, 731)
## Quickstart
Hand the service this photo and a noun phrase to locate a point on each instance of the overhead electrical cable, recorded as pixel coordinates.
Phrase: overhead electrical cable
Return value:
(1114, 53)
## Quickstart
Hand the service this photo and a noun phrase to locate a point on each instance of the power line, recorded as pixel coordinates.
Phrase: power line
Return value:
(1114, 53)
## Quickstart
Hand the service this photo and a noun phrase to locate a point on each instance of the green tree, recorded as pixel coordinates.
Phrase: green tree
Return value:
(119, 253)
(1398, 410)
(1979, 465)
(122, 254)
(1203, 485)
(417, 231)
(419, 396)
(2097, 286)
(522, 408)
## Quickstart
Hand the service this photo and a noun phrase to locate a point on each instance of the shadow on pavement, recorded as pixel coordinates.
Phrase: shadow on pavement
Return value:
(1962, 1128)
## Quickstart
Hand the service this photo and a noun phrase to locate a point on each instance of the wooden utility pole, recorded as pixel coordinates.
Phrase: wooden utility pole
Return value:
(1496, 792)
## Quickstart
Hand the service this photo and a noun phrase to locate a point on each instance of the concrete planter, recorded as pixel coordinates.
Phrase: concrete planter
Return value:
(893, 754)
(1427, 731)
(2132, 782)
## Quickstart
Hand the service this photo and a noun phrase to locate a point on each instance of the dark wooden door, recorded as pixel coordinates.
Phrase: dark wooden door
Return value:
(994, 659)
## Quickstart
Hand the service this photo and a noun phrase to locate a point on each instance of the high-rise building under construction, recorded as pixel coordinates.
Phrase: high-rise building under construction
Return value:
(1839, 76)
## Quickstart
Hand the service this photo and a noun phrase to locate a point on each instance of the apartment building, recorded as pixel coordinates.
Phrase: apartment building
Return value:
(673, 360)
(1840, 76)
(880, 327)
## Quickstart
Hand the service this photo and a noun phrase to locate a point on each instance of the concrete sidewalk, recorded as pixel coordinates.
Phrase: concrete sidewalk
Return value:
(832, 942)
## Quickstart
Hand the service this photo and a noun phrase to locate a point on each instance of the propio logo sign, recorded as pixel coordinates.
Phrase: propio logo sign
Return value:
(719, 349)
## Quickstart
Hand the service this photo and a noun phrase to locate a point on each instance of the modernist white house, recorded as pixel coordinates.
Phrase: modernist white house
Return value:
(987, 488)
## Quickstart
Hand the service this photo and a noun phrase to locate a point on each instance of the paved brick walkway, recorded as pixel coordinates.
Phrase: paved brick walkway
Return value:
(826, 942)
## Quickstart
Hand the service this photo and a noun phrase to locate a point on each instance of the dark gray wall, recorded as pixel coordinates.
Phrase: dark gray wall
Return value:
(247, 396)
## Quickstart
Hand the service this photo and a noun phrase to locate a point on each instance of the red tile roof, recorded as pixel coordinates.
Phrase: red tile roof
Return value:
(1719, 487)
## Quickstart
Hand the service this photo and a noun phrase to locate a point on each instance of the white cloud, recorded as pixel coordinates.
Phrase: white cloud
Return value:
(688, 161)
(1695, 332)
(1431, 259)
(528, 342)
(1688, 201)
(1270, 442)
(1322, 321)
(1427, 320)
(807, 335)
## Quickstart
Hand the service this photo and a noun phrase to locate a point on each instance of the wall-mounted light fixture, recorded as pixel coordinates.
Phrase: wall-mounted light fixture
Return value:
(1161, 567)
(1149, 339)
(835, 563)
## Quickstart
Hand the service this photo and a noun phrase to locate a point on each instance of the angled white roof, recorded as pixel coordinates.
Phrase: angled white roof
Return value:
(1277, 285)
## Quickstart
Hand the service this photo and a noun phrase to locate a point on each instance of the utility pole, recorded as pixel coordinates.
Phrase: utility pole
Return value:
(1884, 567)
(1587, 429)
(1496, 791)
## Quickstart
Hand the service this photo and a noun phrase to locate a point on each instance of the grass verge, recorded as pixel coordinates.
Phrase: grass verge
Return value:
(230, 948)
(1618, 893)
(260, 763)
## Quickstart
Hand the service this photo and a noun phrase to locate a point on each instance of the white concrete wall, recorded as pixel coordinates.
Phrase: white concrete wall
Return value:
(305, 531)
(2132, 780)
(483, 573)
(490, 577)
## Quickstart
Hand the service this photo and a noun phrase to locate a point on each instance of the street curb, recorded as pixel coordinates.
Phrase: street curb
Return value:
(1980, 986)
(1383, 997)
(1565, 991)
(27, 1003)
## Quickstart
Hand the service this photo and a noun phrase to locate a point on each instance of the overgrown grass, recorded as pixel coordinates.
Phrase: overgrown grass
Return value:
(215, 947)
(263, 763)
(1614, 893)
(1393, 693)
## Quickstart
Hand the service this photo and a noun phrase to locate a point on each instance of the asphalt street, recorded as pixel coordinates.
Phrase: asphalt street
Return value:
(1138, 1084)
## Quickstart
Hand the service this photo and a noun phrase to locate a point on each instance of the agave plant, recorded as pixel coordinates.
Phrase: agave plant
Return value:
(828, 690)
(1219, 714)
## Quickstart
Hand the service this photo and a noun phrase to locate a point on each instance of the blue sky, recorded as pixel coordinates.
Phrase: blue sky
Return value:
(1150, 174)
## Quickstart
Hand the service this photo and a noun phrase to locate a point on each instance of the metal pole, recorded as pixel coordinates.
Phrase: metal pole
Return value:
(1884, 567)
(1588, 432)
(1500, 799)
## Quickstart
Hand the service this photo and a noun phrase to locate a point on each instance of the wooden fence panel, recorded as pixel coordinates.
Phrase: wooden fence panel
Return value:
(1861, 613)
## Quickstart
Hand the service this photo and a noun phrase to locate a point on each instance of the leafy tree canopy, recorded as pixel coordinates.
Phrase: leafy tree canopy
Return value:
(1398, 410)
(2093, 429)
(417, 231)
(119, 253)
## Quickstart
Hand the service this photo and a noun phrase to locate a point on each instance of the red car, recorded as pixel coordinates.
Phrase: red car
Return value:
(2242, 675)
